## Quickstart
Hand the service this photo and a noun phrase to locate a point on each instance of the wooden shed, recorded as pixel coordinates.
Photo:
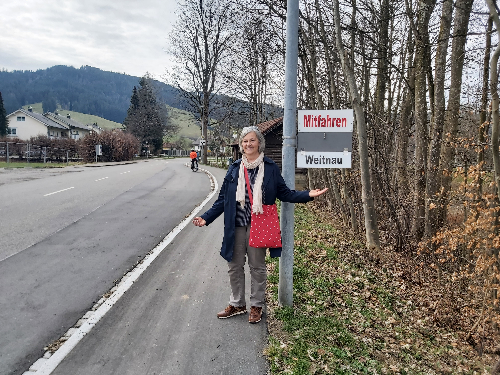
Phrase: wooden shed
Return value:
(272, 131)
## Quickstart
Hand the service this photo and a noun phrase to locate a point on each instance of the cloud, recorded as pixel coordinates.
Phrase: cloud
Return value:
(122, 36)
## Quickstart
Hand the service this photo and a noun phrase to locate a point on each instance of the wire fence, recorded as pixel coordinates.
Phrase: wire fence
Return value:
(29, 152)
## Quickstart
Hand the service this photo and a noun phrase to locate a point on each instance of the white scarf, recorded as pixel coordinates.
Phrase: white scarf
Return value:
(257, 187)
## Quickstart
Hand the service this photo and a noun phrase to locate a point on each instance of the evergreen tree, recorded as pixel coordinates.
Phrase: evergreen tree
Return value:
(134, 106)
(146, 117)
(49, 104)
(3, 118)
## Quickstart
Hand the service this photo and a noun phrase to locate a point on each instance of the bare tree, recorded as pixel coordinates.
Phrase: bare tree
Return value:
(495, 97)
(371, 227)
(461, 24)
(252, 71)
(433, 177)
(200, 41)
(421, 118)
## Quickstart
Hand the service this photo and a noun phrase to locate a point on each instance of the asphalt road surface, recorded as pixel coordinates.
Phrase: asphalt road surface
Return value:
(103, 221)
(39, 202)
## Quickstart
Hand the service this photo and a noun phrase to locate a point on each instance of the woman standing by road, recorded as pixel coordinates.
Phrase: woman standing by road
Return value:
(266, 184)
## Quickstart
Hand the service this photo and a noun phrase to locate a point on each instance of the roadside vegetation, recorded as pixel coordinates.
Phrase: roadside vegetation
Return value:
(32, 165)
(116, 146)
(358, 312)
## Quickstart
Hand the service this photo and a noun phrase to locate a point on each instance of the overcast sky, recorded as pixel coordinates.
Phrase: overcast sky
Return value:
(125, 36)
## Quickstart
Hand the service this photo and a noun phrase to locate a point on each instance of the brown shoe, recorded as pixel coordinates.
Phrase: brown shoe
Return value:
(255, 315)
(231, 311)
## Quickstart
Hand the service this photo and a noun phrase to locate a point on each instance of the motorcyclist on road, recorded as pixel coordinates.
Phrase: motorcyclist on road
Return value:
(194, 157)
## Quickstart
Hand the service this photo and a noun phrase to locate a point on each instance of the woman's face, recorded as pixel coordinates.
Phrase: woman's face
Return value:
(250, 145)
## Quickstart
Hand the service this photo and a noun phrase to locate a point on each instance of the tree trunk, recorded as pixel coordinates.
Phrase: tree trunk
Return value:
(483, 127)
(495, 99)
(371, 227)
(463, 10)
(347, 194)
(403, 134)
(382, 59)
(494, 137)
(204, 127)
(333, 102)
(421, 133)
(433, 178)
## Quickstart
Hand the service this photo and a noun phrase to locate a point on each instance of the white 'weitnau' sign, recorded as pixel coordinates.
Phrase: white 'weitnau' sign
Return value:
(318, 159)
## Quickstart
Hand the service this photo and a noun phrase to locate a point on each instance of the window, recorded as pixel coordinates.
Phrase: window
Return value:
(21, 118)
(11, 131)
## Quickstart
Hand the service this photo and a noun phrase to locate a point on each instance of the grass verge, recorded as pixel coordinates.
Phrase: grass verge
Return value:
(352, 315)
(33, 165)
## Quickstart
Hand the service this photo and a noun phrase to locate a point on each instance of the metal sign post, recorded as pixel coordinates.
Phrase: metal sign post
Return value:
(203, 142)
(98, 151)
(285, 287)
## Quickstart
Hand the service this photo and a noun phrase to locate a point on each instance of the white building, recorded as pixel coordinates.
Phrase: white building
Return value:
(76, 129)
(25, 124)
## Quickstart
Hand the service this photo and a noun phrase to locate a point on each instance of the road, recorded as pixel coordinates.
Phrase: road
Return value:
(165, 324)
(39, 202)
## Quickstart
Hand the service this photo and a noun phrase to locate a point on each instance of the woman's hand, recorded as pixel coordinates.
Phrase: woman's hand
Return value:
(317, 192)
(199, 222)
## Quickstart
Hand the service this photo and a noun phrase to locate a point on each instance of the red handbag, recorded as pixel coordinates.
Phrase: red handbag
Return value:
(265, 227)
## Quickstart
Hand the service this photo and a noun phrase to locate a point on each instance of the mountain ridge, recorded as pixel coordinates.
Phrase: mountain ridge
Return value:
(86, 89)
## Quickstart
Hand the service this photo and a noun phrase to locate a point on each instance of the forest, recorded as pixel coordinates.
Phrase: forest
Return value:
(86, 89)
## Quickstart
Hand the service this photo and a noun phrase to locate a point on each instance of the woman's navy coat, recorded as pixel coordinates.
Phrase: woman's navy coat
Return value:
(273, 187)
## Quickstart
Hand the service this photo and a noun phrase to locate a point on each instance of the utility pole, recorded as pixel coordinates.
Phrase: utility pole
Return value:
(285, 288)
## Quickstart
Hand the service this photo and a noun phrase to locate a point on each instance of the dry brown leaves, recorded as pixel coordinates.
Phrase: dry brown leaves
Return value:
(436, 318)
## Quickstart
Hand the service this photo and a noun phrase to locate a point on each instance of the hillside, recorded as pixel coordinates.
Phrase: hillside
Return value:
(85, 90)
(188, 126)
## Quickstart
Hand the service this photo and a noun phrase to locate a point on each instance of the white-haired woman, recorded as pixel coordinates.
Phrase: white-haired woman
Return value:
(267, 184)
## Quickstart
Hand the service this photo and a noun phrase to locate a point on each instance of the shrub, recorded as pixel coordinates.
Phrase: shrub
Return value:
(116, 146)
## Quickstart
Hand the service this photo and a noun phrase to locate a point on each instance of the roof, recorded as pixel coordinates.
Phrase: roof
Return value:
(67, 121)
(268, 126)
(41, 118)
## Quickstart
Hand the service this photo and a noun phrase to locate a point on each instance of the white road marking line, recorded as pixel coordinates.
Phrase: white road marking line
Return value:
(48, 365)
(125, 172)
(102, 179)
(55, 192)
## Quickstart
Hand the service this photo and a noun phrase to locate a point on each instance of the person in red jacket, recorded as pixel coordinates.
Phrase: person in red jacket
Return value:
(194, 157)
